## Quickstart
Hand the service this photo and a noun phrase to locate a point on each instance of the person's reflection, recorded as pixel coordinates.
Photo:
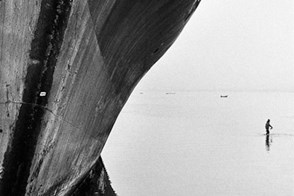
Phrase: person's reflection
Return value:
(268, 141)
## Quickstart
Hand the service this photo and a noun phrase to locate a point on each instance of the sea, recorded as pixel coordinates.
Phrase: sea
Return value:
(202, 144)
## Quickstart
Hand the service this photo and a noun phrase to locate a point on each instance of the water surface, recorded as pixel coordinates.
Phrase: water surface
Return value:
(200, 144)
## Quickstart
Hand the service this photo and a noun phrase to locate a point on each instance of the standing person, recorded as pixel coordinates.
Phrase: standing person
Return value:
(267, 126)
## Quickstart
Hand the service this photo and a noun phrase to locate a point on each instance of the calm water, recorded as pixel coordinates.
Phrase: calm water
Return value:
(201, 144)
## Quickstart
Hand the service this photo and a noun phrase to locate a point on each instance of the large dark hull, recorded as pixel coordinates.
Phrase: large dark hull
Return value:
(87, 56)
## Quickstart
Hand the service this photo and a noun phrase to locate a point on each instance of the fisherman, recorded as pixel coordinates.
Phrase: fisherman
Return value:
(267, 126)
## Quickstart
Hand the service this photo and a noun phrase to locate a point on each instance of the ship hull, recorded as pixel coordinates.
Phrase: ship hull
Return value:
(67, 69)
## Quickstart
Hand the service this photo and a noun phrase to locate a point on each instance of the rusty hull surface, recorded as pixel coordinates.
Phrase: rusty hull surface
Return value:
(87, 56)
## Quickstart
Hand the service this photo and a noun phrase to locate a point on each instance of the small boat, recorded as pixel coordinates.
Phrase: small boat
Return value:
(224, 96)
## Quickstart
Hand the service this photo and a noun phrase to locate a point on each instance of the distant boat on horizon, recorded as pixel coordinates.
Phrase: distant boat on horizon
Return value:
(224, 96)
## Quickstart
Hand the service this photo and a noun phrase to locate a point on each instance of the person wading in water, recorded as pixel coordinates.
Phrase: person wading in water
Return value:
(267, 126)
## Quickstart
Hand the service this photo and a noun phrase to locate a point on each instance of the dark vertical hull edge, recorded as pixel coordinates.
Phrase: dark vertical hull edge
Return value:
(45, 48)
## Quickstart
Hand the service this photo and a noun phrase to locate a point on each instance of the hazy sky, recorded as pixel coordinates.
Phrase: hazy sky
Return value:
(232, 45)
